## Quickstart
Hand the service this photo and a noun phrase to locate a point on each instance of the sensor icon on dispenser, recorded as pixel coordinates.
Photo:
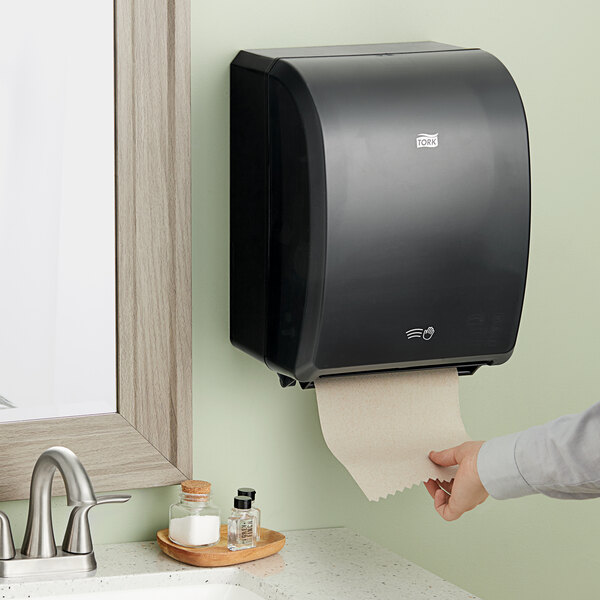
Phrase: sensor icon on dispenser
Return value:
(420, 333)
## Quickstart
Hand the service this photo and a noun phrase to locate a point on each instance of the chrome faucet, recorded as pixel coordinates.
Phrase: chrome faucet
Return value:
(38, 553)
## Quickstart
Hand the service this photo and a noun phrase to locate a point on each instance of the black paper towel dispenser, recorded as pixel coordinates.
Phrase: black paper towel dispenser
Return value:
(380, 208)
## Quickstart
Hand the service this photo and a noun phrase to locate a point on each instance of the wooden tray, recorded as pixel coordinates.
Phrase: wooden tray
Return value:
(218, 555)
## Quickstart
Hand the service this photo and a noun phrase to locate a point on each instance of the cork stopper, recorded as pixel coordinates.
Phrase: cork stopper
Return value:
(195, 486)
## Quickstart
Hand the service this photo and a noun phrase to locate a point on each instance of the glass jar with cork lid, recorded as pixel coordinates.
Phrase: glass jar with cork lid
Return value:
(193, 521)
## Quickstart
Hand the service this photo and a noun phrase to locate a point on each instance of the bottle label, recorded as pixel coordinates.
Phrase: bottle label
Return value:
(246, 529)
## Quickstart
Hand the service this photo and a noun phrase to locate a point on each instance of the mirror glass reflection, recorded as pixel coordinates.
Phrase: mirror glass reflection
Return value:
(57, 209)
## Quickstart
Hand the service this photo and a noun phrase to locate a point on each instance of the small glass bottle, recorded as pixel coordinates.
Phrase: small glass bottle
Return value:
(251, 493)
(194, 522)
(241, 526)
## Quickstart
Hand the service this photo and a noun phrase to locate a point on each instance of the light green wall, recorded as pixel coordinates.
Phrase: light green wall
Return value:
(248, 431)
(269, 438)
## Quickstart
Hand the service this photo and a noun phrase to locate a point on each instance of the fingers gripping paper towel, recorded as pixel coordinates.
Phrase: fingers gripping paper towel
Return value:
(382, 426)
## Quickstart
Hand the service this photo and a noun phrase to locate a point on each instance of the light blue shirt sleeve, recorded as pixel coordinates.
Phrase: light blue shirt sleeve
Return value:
(560, 459)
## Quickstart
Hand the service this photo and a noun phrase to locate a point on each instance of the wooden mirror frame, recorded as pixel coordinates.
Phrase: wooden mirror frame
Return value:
(148, 441)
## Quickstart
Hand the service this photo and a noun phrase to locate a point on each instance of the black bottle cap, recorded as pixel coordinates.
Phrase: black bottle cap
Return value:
(247, 492)
(242, 502)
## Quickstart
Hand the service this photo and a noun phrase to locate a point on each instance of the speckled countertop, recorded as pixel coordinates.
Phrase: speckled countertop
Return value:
(319, 564)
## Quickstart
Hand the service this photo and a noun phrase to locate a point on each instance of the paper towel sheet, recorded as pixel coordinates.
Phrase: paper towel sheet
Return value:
(382, 426)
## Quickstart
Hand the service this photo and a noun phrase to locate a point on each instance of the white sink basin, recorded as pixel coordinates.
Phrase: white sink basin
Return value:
(205, 591)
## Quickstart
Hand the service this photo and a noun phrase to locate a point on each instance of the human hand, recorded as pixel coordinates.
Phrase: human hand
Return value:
(465, 491)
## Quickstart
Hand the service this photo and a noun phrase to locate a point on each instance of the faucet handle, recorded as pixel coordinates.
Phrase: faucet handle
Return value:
(78, 537)
(7, 546)
(113, 498)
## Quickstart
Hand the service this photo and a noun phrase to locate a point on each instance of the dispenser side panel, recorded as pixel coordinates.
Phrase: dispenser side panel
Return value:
(297, 222)
(288, 229)
(248, 210)
(427, 208)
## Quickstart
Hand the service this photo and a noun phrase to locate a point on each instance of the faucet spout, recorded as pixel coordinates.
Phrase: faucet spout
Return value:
(39, 534)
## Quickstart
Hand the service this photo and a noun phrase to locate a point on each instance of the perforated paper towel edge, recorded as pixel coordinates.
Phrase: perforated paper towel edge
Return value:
(382, 426)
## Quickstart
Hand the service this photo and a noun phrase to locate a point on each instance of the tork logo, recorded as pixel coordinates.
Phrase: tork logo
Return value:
(427, 140)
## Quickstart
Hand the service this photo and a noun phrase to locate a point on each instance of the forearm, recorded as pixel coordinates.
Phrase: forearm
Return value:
(560, 459)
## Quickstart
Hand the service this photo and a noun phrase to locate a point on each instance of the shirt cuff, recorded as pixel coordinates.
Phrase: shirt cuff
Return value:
(498, 470)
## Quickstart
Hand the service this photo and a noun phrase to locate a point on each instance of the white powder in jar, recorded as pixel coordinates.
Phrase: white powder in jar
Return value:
(195, 530)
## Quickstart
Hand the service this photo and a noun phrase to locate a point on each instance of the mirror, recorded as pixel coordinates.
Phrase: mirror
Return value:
(57, 209)
(95, 240)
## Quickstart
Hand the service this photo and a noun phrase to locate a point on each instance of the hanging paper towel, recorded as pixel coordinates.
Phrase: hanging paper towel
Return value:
(382, 426)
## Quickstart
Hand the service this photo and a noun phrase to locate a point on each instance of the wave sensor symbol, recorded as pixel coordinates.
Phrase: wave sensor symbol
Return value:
(424, 334)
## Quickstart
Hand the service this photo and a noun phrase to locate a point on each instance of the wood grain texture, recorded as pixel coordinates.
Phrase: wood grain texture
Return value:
(114, 453)
(154, 223)
(149, 442)
(218, 555)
